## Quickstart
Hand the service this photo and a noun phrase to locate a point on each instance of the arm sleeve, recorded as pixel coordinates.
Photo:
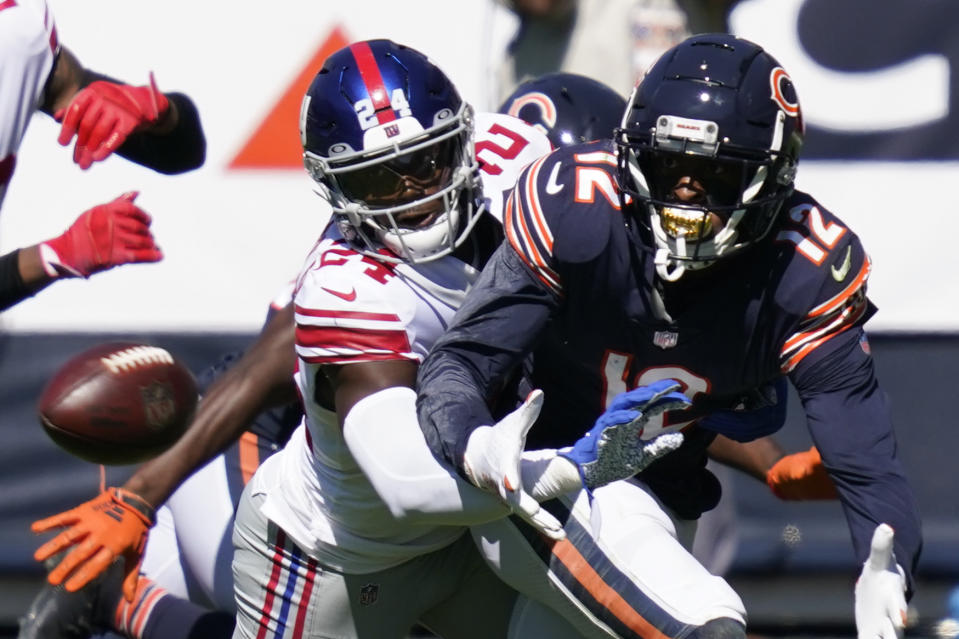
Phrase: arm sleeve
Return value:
(12, 288)
(848, 417)
(178, 151)
(385, 439)
(492, 332)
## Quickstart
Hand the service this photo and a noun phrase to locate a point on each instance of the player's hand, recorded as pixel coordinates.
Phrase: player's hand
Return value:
(880, 591)
(492, 462)
(104, 114)
(113, 524)
(801, 476)
(107, 235)
(612, 449)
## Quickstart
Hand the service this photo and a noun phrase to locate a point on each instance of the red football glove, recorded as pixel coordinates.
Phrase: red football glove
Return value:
(113, 524)
(801, 477)
(107, 235)
(104, 114)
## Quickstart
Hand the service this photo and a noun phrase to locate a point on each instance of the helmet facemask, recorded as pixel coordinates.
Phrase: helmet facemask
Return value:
(416, 196)
(731, 195)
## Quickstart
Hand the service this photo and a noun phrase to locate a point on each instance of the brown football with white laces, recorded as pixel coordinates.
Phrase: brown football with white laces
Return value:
(118, 403)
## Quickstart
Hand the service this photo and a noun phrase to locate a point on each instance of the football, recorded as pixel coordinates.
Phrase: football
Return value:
(118, 403)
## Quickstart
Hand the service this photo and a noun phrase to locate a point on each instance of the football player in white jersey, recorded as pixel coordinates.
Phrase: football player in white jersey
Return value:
(319, 551)
(160, 131)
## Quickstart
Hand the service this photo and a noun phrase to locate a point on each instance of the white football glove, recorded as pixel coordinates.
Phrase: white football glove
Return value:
(881, 591)
(492, 462)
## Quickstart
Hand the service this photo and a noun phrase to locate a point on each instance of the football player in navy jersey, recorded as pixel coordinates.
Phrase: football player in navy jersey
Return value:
(573, 109)
(680, 249)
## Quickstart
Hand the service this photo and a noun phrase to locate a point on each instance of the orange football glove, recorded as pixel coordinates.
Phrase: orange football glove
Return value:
(113, 524)
(801, 477)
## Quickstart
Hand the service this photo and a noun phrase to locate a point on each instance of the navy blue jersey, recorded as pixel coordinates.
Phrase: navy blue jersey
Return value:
(573, 289)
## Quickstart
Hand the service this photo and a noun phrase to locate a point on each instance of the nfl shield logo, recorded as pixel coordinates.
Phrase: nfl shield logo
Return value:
(665, 339)
(158, 404)
(368, 594)
(392, 131)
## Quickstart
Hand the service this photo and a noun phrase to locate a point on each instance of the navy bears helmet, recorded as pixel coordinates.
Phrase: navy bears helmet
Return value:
(567, 107)
(722, 109)
(388, 140)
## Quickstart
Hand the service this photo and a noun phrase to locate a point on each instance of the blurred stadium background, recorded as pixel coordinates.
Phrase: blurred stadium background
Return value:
(876, 81)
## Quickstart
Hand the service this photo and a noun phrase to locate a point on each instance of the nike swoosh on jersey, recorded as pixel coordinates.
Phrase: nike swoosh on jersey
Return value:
(349, 297)
(551, 186)
(839, 274)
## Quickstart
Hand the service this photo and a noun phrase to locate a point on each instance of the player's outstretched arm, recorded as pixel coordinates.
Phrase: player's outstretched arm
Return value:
(160, 131)
(399, 464)
(103, 237)
(260, 379)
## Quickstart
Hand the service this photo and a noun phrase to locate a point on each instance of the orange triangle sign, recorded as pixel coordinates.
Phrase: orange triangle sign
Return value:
(276, 142)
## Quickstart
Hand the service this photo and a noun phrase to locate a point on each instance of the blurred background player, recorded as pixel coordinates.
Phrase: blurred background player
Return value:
(569, 108)
(673, 269)
(612, 41)
(156, 130)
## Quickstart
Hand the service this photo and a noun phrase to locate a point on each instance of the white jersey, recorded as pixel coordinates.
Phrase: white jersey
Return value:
(353, 308)
(28, 45)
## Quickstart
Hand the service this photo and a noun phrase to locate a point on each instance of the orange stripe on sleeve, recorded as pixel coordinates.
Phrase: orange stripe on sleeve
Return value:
(846, 293)
(846, 321)
(535, 210)
(526, 237)
(524, 248)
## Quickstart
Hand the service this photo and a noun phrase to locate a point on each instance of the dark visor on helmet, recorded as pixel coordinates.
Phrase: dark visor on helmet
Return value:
(722, 181)
(403, 178)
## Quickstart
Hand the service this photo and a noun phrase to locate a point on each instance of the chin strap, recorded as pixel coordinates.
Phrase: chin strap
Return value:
(667, 269)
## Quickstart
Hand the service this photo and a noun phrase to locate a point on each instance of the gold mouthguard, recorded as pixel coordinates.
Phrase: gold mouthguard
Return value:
(689, 224)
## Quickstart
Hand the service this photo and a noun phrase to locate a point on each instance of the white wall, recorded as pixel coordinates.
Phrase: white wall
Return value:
(231, 237)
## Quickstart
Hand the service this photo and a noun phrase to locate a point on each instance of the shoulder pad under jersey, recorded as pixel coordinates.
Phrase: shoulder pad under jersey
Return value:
(564, 207)
(351, 307)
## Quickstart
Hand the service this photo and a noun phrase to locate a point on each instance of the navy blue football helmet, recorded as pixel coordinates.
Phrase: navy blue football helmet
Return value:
(720, 109)
(567, 107)
(388, 140)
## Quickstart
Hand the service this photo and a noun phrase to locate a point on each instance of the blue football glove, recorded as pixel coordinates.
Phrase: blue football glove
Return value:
(612, 449)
